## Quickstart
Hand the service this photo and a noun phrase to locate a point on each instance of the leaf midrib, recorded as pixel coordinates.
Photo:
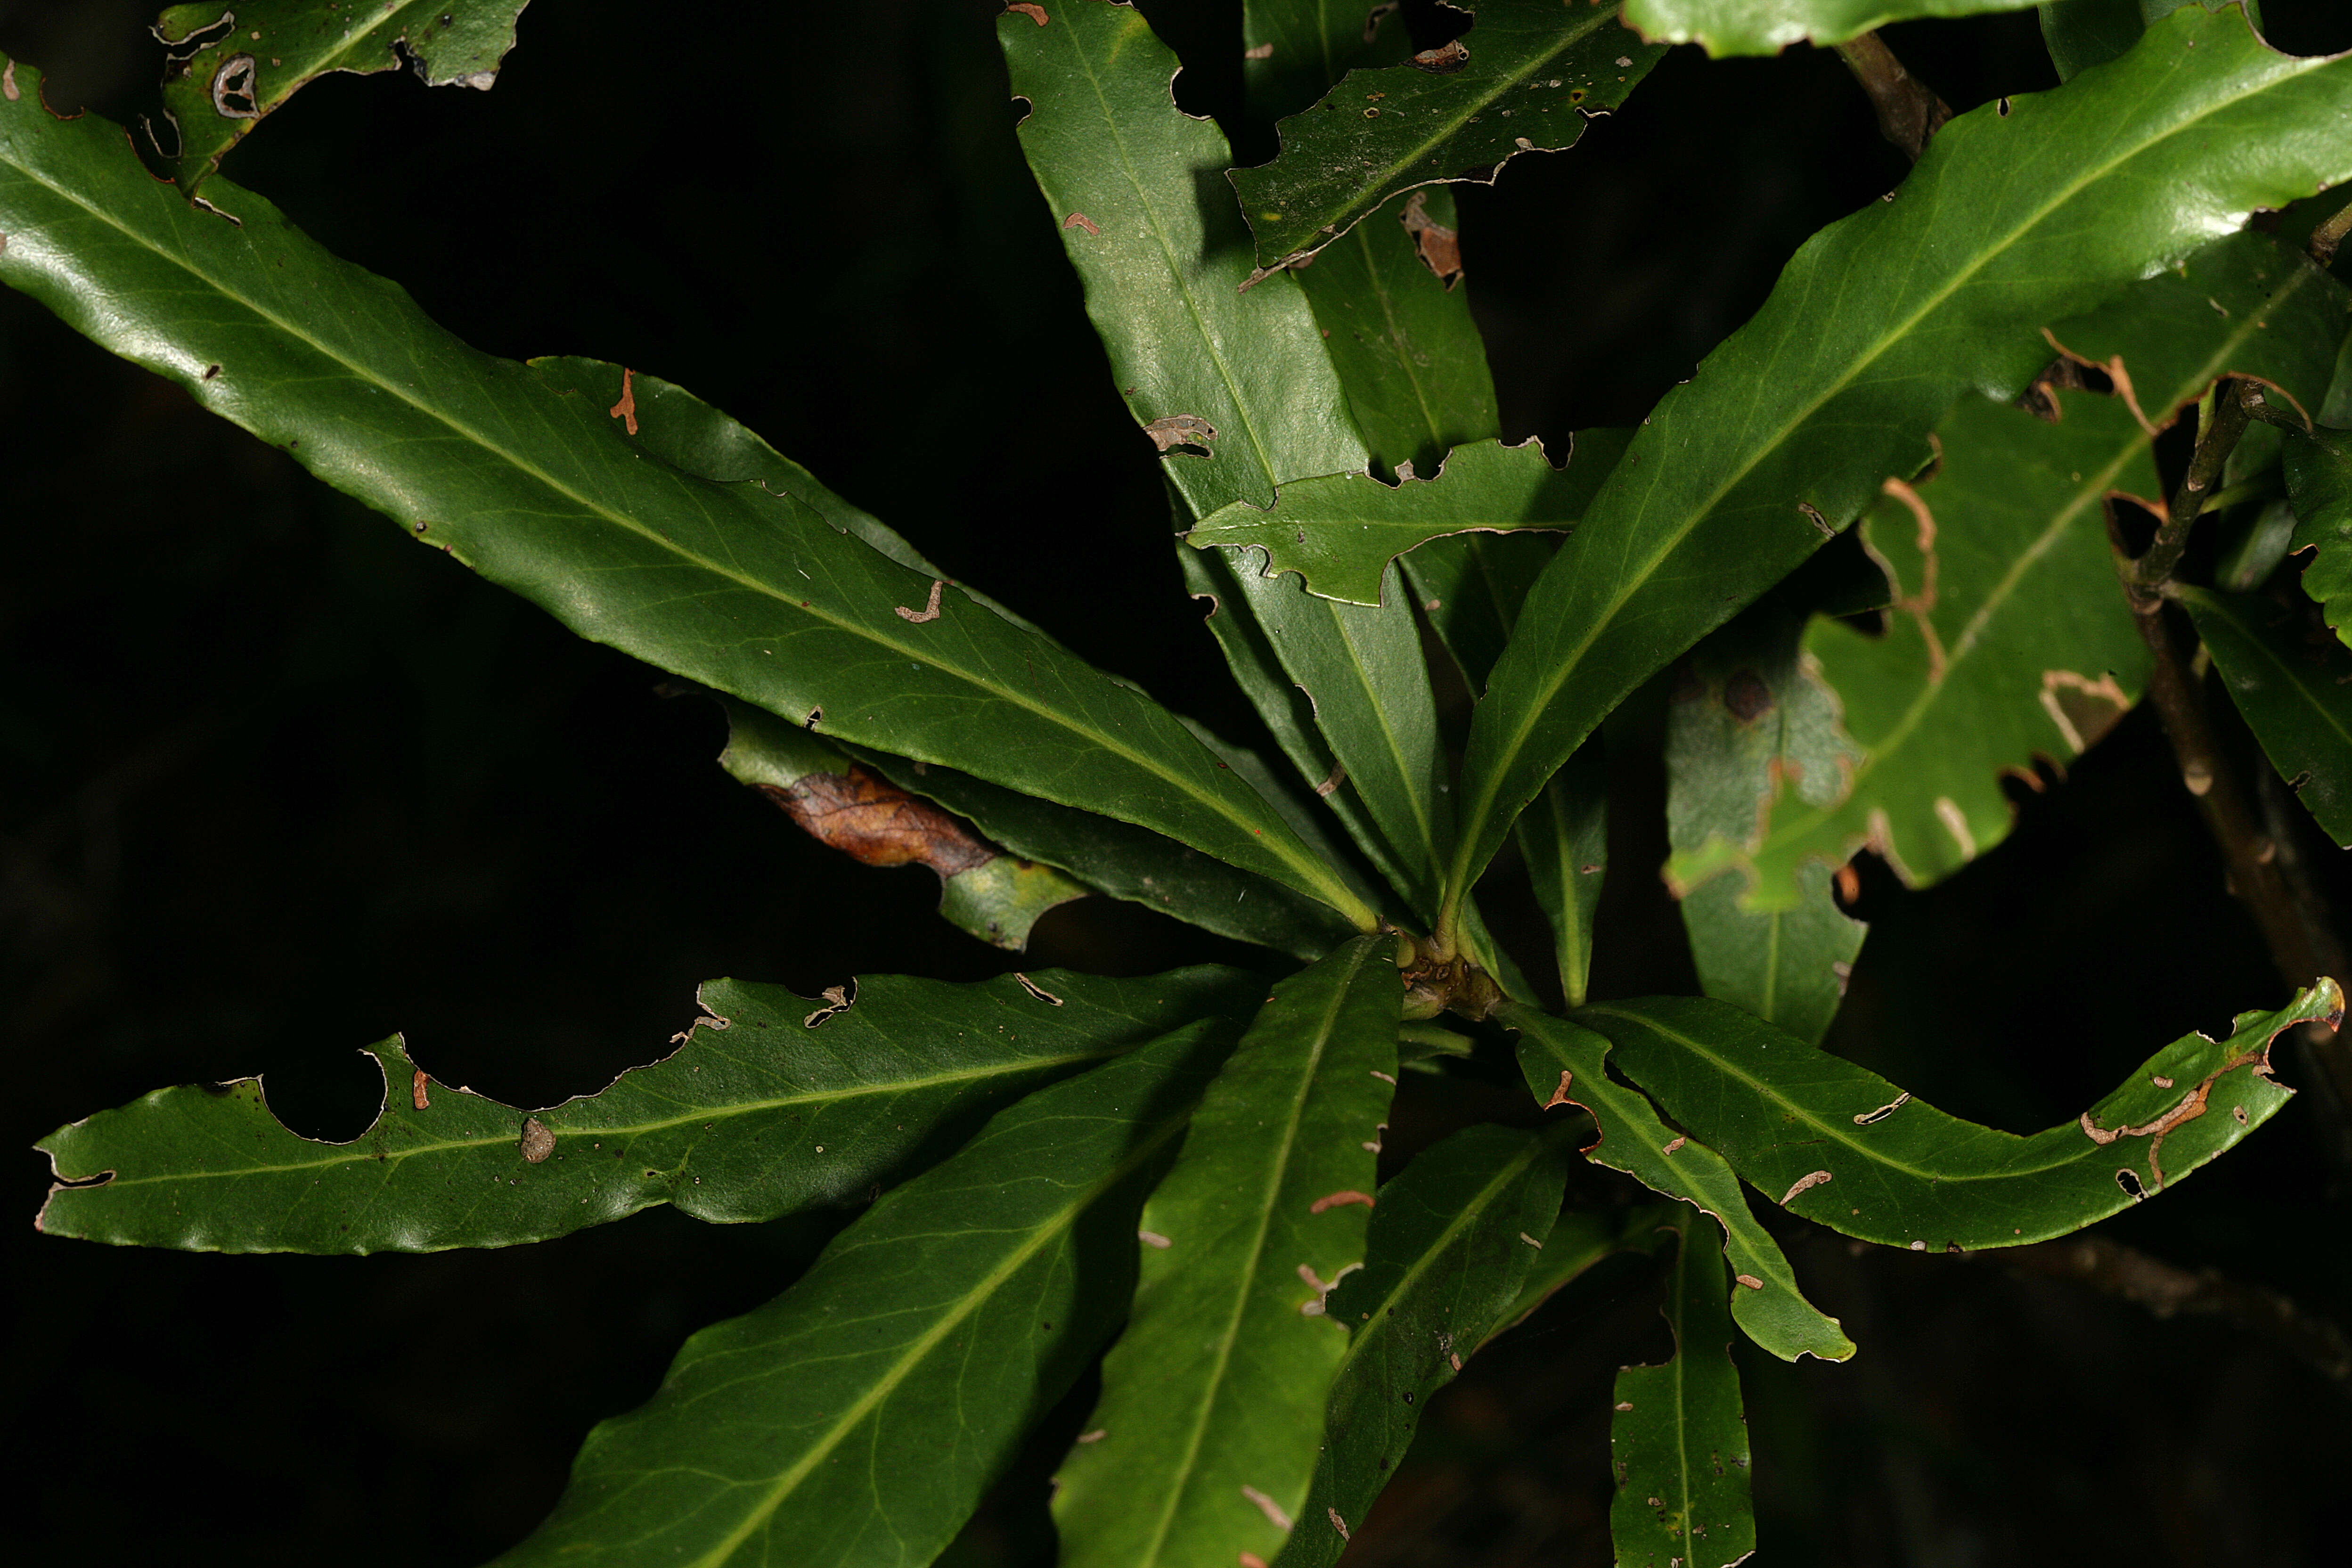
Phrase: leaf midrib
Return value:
(916, 1350)
(392, 1159)
(1453, 126)
(2094, 489)
(1482, 803)
(1844, 1137)
(1179, 1476)
(1312, 870)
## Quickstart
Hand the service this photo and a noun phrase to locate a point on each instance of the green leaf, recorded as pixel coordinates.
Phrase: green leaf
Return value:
(2085, 33)
(2019, 215)
(1204, 1441)
(1471, 587)
(543, 490)
(225, 70)
(1402, 340)
(1748, 721)
(1450, 1248)
(1847, 1149)
(1340, 531)
(2318, 471)
(905, 1318)
(2293, 693)
(1577, 1242)
(1524, 79)
(1293, 50)
(2006, 640)
(1563, 1064)
(1205, 368)
(1564, 838)
(772, 1104)
(984, 891)
(1768, 27)
(1679, 1440)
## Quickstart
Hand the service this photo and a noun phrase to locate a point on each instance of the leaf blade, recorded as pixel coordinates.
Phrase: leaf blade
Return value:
(1563, 1065)
(1798, 416)
(2292, 694)
(1881, 1165)
(1526, 78)
(804, 1113)
(736, 1459)
(543, 491)
(1213, 1398)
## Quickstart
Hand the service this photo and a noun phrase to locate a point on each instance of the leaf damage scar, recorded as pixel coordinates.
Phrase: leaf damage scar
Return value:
(1871, 1118)
(930, 611)
(1805, 1183)
(2190, 1108)
(1080, 220)
(837, 999)
(1175, 430)
(625, 411)
(1036, 990)
(537, 1142)
(1337, 1199)
(416, 1089)
(1034, 13)
(1268, 1507)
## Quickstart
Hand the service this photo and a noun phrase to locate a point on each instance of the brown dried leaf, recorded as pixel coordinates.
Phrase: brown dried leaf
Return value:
(879, 823)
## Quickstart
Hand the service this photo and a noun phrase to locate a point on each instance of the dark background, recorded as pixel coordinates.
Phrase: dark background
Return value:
(274, 783)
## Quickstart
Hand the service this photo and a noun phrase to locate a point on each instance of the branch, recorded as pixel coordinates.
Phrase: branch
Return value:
(2224, 423)
(1908, 110)
(2114, 1270)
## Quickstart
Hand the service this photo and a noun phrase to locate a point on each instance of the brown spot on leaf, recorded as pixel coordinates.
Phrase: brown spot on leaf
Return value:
(9, 82)
(1560, 1095)
(417, 1088)
(625, 411)
(1804, 1183)
(1338, 1523)
(930, 611)
(1746, 696)
(1444, 60)
(2083, 709)
(1034, 13)
(538, 1143)
(1268, 1507)
(1258, 52)
(1154, 1239)
(1670, 1148)
(1749, 1280)
(1337, 1199)
(1439, 247)
(879, 823)
(1175, 430)
(1080, 220)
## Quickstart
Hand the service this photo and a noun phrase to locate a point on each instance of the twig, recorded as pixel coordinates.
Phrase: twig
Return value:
(1908, 110)
(2330, 235)
(2114, 1270)
(2216, 439)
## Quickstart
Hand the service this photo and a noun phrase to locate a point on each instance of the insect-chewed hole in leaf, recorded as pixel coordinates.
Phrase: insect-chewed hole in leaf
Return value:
(2130, 1183)
(233, 89)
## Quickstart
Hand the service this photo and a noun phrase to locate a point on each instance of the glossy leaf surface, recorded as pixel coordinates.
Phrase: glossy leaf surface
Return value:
(1236, 385)
(1402, 340)
(1842, 1146)
(2319, 485)
(2011, 221)
(226, 68)
(2006, 641)
(1340, 531)
(1449, 1251)
(1293, 50)
(1749, 723)
(1205, 1440)
(789, 1103)
(983, 1286)
(1768, 27)
(2081, 34)
(544, 490)
(2296, 696)
(984, 891)
(1679, 1439)
(1563, 1065)
(1526, 78)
